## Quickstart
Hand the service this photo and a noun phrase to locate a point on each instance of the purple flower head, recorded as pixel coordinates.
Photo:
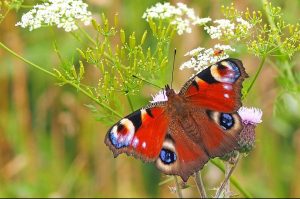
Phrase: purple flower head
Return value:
(250, 115)
(246, 139)
(159, 97)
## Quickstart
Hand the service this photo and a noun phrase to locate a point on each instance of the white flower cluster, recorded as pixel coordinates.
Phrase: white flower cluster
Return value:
(244, 23)
(224, 26)
(62, 13)
(227, 27)
(202, 58)
(180, 15)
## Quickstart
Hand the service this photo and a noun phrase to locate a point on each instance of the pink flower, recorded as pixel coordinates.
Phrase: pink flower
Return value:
(159, 97)
(250, 115)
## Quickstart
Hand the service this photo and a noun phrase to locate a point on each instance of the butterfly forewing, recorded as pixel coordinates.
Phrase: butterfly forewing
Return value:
(140, 134)
(217, 87)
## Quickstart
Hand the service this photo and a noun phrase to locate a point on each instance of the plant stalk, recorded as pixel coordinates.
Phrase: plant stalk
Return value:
(225, 183)
(233, 180)
(178, 190)
(261, 64)
(200, 185)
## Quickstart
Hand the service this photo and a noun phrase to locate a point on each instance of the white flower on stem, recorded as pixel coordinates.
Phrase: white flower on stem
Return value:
(180, 15)
(244, 23)
(194, 52)
(62, 13)
(224, 26)
(202, 58)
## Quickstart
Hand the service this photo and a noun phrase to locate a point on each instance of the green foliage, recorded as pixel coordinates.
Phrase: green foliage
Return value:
(7, 5)
(117, 64)
(275, 40)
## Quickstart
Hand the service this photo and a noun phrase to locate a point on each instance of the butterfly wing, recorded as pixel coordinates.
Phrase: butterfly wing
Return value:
(191, 142)
(140, 134)
(179, 155)
(217, 87)
(211, 127)
(215, 94)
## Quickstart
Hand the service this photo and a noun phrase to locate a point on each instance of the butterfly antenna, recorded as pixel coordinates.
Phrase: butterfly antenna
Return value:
(147, 81)
(173, 68)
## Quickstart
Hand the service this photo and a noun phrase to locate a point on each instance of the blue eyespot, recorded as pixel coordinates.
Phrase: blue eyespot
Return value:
(231, 72)
(226, 121)
(167, 156)
(115, 141)
(236, 70)
(119, 140)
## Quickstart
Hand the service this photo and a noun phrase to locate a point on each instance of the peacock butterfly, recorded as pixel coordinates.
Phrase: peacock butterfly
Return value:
(180, 134)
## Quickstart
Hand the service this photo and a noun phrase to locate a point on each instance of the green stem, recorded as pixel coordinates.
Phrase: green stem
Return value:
(232, 180)
(94, 99)
(200, 185)
(27, 6)
(6, 13)
(27, 61)
(228, 173)
(130, 102)
(255, 77)
(88, 36)
(178, 190)
(66, 81)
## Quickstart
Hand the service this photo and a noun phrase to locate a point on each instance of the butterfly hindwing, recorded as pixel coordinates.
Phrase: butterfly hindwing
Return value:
(179, 155)
(140, 134)
(218, 131)
(217, 87)
(191, 141)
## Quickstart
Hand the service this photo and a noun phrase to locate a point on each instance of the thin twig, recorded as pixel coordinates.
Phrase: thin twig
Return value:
(261, 64)
(178, 190)
(200, 185)
(233, 180)
(227, 184)
(227, 177)
(26, 61)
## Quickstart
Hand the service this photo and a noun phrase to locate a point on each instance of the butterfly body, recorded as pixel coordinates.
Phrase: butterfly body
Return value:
(180, 134)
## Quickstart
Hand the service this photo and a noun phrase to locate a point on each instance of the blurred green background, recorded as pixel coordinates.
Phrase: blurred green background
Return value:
(52, 146)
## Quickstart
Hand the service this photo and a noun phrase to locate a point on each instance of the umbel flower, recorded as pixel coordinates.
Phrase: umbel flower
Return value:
(202, 58)
(62, 13)
(225, 27)
(180, 15)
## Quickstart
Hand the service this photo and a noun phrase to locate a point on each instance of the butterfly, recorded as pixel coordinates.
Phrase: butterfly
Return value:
(181, 134)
